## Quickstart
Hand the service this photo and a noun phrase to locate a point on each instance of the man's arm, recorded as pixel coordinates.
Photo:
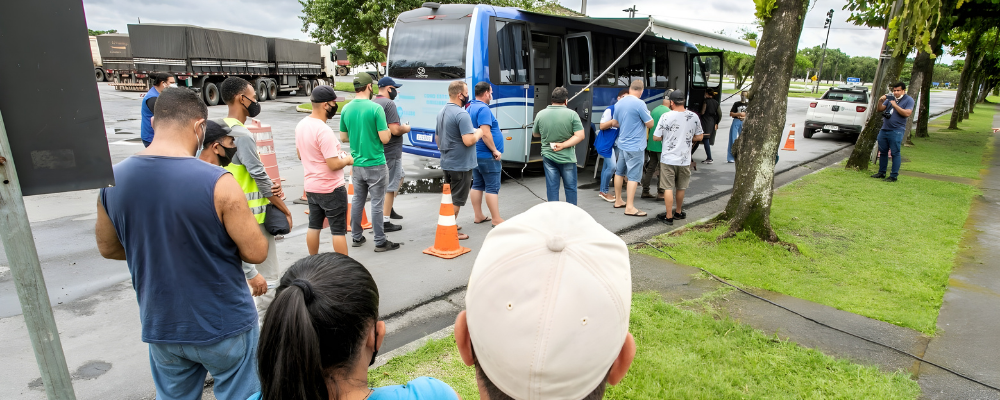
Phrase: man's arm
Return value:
(231, 206)
(572, 141)
(384, 136)
(647, 119)
(881, 103)
(107, 238)
(470, 139)
(338, 163)
(465, 125)
(246, 153)
(905, 112)
(398, 129)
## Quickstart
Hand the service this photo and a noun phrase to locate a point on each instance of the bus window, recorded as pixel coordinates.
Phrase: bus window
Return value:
(512, 40)
(579, 60)
(621, 69)
(433, 49)
(636, 68)
(656, 64)
(698, 70)
(604, 54)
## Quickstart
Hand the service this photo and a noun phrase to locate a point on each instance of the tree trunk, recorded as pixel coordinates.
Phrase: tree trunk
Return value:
(749, 207)
(961, 98)
(923, 112)
(914, 90)
(861, 155)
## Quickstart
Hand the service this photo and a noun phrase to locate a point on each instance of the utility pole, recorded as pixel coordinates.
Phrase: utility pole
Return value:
(828, 25)
(631, 11)
(583, 7)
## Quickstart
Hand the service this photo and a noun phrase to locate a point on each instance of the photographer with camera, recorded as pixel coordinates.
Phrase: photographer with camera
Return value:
(895, 112)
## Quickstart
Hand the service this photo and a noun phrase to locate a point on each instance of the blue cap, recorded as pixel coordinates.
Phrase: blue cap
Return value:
(387, 81)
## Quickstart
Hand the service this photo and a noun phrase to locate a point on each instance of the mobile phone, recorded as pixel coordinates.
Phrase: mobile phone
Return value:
(552, 145)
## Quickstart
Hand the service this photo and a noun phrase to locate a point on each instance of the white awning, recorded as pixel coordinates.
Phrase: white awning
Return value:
(666, 30)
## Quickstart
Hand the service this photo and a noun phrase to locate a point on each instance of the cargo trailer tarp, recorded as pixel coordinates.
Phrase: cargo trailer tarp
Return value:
(115, 51)
(197, 50)
(293, 57)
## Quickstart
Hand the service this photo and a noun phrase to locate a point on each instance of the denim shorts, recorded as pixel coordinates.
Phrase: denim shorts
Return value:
(331, 207)
(630, 164)
(486, 177)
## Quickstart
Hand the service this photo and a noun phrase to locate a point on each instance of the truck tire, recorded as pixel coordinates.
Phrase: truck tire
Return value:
(808, 133)
(211, 94)
(307, 87)
(261, 89)
(101, 77)
(272, 89)
(342, 71)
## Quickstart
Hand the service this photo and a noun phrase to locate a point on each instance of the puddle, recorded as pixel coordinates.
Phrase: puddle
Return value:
(434, 185)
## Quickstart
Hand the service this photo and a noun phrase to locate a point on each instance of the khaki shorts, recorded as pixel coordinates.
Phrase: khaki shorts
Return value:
(674, 177)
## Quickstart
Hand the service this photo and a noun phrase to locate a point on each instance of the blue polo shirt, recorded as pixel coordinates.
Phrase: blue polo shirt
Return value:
(632, 115)
(481, 115)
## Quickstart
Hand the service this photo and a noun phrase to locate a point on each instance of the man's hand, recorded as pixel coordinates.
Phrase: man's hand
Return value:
(496, 155)
(276, 189)
(557, 146)
(892, 102)
(288, 216)
(258, 285)
(881, 99)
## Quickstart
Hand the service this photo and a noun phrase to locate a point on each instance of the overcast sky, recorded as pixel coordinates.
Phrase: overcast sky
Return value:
(280, 18)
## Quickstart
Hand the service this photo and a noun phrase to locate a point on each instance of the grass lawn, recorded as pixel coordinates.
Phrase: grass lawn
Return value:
(344, 87)
(953, 152)
(684, 354)
(872, 248)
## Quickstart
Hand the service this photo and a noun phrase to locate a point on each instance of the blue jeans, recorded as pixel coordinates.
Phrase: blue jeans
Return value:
(734, 132)
(608, 171)
(889, 140)
(179, 369)
(708, 148)
(553, 172)
(486, 176)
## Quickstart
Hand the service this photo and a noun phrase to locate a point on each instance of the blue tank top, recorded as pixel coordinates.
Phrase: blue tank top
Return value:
(147, 128)
(186, 270)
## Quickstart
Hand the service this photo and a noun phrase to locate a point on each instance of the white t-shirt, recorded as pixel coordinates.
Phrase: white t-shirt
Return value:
(607, 115)
(677, 130)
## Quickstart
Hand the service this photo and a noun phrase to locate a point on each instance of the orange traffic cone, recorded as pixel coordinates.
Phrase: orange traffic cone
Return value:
(364, 216)
(446, 239)
(790, 142)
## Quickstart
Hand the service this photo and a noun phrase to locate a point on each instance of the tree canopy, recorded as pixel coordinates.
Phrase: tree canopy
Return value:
(92, 32)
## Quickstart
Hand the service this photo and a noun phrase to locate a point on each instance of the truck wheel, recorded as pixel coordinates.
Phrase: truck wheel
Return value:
(808, 133)
(261, 89)
(211, 93)
(307, 88)
(101, 77)
(272, 89)
(342, 71)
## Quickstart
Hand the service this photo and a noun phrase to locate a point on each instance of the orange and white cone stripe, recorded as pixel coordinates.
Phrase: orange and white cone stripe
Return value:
(446, 238)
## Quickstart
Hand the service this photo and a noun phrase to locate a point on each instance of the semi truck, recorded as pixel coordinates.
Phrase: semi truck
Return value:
(119, 69)
(201, 58)
(95, 52)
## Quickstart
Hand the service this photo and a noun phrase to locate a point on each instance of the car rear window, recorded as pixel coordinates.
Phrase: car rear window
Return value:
(842, 95)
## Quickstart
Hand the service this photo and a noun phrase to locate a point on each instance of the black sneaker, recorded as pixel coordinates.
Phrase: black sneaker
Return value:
(393, 215)
(890, 179)
(358, 243)
(679, 215)
(878, 176)
(662, 217)
(390, 227)
(387, 246)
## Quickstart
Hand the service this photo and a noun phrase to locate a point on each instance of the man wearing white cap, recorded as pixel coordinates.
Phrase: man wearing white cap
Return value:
(549, 320)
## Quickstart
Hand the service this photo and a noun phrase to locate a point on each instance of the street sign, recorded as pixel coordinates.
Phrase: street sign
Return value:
(936, 84)
(813, 78)
(853, 80)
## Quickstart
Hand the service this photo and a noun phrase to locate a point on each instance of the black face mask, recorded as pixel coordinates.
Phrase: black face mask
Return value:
(254, 108)
(465, 101)
(228, 158)
(331, 112)
(392, 93)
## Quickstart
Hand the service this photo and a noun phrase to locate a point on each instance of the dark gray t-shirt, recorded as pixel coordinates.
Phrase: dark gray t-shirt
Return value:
(393, 149)
(895, 121)
(453, 122)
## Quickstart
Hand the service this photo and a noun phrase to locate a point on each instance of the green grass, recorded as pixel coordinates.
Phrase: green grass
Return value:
(880, 250)
(344, 87)
(953, 152)
(684, 354)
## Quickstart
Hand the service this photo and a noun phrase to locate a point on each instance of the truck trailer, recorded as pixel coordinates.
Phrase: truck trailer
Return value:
(119, 69)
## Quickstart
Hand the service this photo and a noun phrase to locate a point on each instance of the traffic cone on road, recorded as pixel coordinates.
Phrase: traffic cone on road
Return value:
(790, 142)
(446, 239)
(364, 216)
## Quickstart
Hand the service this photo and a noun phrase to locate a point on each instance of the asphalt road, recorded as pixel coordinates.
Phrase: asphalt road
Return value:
(95, 305)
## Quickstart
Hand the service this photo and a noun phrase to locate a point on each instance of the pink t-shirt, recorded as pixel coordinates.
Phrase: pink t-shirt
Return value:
(316, 142)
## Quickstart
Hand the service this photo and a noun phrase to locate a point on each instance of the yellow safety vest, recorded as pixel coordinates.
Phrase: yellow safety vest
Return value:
(255, 199)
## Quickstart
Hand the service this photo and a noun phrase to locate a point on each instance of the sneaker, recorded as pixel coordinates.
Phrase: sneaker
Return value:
(708, 161)
(393, 215)
(645, 195)
(889, 179)
(662, 217)
(878, 176)
(679, 215)
(390, 227)
(358, 243)
(387, 246)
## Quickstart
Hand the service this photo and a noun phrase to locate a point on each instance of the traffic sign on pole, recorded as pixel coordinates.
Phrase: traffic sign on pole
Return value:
(853, 80)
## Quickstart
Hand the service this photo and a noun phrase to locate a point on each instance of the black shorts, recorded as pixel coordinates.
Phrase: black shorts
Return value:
(460, 182)
(329, 206)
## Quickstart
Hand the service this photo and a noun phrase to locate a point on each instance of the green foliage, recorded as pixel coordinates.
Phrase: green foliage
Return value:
(92, 32)
(740, 66)
(764, 9)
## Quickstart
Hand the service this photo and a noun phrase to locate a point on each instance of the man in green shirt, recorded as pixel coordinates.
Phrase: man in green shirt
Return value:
(364, 122)
(653, 149)
(560, 129)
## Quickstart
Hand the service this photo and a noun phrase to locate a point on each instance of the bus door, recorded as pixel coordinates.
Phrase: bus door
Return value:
(510, 71)
(706, 73)
(580, 71)
(547, 61)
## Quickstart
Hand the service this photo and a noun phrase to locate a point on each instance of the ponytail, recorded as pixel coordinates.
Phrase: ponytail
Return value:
(288, 357)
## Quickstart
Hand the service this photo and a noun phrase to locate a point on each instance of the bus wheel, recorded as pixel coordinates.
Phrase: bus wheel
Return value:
(272, 89)
(211, 93)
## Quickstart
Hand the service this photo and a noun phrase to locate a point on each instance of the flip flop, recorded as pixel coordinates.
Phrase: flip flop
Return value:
(621, 206)
(643, 214)
(484, 220)
(462, 238)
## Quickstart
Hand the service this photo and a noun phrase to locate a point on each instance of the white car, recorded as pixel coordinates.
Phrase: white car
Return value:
(841, 110)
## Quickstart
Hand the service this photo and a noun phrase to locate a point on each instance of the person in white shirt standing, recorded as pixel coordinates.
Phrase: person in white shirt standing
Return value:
(677, 129)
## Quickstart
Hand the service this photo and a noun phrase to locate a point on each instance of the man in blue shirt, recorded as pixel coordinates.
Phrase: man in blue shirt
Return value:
(897, 110)
(486, 176)
(633, 120)
(160, 81)
(456, 139)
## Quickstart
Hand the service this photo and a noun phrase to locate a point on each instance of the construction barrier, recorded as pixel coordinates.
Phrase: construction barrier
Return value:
(265, 147)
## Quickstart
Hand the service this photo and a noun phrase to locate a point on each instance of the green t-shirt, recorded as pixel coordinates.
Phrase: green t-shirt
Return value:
(556, 124)
(651, 144)
(362, 119)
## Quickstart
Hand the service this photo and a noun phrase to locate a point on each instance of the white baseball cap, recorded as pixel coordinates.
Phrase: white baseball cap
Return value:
(548, 303)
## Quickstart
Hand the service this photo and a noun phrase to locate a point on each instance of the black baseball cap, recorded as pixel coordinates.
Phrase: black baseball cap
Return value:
(323, 94)
(676, 95)
(215, 131)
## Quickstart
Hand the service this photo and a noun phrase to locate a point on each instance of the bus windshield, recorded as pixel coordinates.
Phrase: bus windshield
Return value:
(432, 49)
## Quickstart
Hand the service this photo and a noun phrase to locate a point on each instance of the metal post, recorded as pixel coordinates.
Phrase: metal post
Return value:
(28, 280)
(583, 7)
(829, 25)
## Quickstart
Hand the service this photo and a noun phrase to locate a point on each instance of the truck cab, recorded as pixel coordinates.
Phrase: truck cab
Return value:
(842, 110)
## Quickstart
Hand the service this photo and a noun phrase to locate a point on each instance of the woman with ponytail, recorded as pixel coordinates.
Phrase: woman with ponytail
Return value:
(322, 332)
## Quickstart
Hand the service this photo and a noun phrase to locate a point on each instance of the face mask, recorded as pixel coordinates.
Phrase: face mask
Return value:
(371, 92)
(228, 158)
(254, 108)
(201, 139)
(330, 112)
(465, 101)
(172, 85)
(392, 93)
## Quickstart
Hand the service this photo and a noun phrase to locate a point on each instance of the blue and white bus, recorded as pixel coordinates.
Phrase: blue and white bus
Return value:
(525, 55)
